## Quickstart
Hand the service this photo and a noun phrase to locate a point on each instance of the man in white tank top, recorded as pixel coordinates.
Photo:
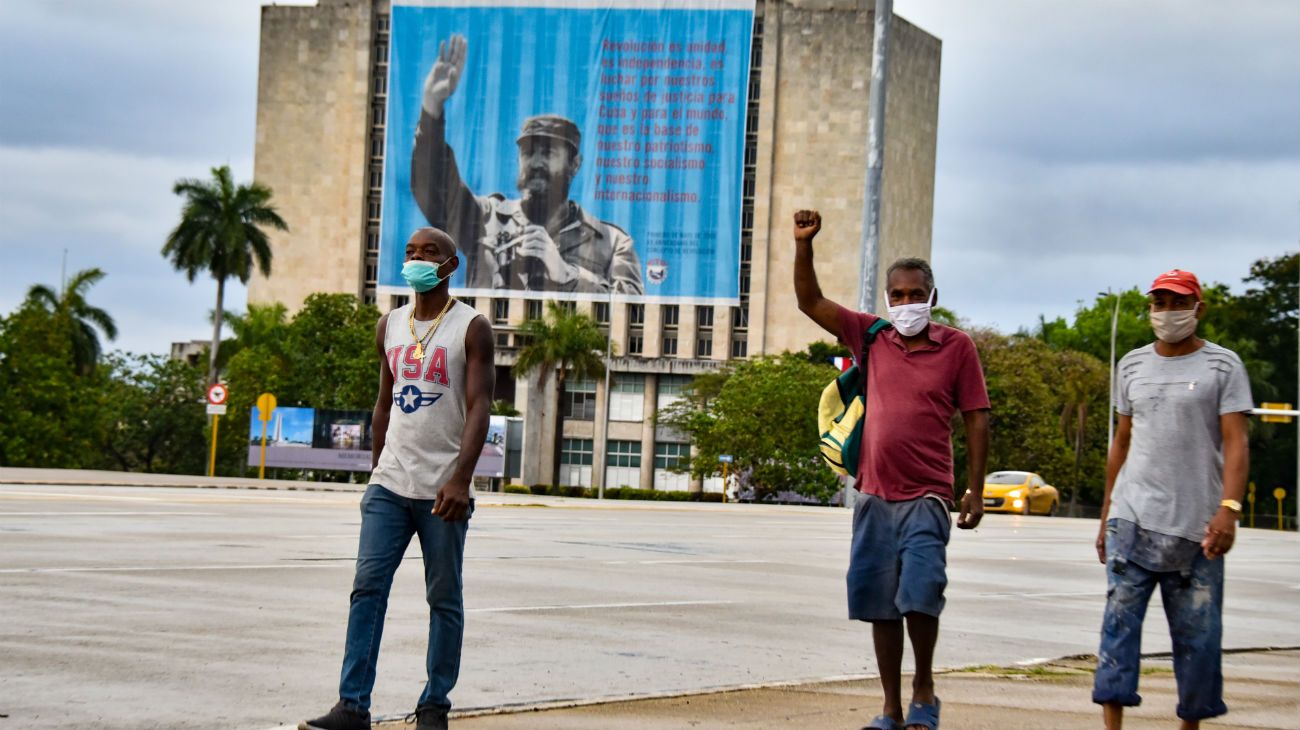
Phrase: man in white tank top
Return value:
(436, 378)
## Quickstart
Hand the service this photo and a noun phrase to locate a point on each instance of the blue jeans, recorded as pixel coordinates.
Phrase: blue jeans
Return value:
(387, 523)
(1193, 601)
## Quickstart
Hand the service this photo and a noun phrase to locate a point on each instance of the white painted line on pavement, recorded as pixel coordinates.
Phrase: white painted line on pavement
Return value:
(108, 514)
(684, 561)
(175, 568)
(1041, 595)
(588, 606)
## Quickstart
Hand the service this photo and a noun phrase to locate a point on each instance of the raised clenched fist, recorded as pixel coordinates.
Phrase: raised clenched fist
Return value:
(806, 224)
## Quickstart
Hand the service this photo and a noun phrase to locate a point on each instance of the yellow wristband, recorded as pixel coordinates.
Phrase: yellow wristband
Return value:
(1232, 504)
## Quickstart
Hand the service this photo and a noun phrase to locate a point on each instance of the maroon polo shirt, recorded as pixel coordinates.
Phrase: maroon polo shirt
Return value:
(911, 399)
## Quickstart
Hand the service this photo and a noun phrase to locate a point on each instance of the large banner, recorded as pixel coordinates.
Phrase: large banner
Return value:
(572, 148)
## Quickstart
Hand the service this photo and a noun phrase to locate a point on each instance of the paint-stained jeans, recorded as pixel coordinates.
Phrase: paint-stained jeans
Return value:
(388, 521)
(1193, 601)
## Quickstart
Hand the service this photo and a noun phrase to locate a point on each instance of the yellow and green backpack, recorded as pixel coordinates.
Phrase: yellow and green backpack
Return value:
(843, 408)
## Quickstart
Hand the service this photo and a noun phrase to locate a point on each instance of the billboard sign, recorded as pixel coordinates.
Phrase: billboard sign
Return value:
(573, 148)
(320, 438)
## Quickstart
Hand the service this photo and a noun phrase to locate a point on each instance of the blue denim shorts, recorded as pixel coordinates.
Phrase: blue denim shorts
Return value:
(898, 561)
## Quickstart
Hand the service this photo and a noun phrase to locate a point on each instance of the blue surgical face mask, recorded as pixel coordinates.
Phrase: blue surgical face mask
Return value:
(423, 275)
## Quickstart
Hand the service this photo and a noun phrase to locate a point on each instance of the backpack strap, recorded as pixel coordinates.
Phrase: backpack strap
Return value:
(868, 337)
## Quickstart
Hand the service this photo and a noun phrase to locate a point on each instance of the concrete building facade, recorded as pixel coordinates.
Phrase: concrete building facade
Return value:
(322, 92)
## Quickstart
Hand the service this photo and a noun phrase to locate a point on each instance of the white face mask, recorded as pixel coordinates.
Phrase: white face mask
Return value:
(1174, 326)
(910, 319)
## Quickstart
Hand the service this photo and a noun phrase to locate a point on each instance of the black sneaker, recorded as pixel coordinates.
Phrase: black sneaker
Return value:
(428, 718)
(340, 717)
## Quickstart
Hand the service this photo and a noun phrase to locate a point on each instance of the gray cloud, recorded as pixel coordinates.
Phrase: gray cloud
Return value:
(1082, 145)
(1086, 146)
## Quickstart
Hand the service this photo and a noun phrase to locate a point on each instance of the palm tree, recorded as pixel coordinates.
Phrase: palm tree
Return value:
(262, 324)
(222, 231)
(565, 343)
(70, 306)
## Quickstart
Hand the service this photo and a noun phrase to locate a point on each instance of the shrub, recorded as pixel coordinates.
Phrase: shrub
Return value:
(540, 488)
(517, 489)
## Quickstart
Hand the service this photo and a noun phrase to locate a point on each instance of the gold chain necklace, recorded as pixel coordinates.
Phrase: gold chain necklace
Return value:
(420, 341)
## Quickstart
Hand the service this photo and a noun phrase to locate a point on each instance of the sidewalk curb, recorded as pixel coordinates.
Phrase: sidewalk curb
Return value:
(570, 703)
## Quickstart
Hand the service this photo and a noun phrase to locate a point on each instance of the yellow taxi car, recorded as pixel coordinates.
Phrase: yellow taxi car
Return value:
(1022, 492)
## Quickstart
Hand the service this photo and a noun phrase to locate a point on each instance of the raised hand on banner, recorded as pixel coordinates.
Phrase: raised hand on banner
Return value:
(445, 74)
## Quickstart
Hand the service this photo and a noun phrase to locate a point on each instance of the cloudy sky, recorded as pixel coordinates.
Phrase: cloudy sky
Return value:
(1082, 145)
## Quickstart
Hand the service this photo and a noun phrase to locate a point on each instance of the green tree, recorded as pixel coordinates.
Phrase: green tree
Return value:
(262, 324)
(222, 232)
(1261, 325)
(50, 413)
(1039, 397)
(324, 357)
(73, 315)
(764, 413)
(1090, 330)
(155, 414)
(563, 344)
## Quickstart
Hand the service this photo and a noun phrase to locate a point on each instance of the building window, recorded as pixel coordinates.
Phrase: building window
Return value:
(624, 453)
(672, 313)
(576, 451)
(369, 298)
(372, 240)
(534, 309)
(580, 400)
(373, 208)
(372, 270)
(469, 300)
(575, 462)
(570, 307)
(635, 342)
(381, 53)
(704, 347)
(670, 455)
(401, 300)
(503, 339)
(600, 311)
(669, 344)
(381, 84)
(381, 23)
(377, 147)
(744, 280)
(636, 314)
(704, 316)
(671, 389)
(627, 397)
(500, 311)
(739, 318)
(739, 347)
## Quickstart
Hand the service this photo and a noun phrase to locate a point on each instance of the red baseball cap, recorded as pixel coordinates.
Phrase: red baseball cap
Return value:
(1178, 282)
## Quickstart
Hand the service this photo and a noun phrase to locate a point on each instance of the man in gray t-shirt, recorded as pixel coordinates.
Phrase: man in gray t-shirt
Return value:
(1175, 477)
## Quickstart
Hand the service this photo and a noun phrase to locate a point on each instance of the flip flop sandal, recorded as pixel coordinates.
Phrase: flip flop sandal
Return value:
(883, 722)
(927, 716)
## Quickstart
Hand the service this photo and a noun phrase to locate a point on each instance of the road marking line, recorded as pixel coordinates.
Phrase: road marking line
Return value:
(108, 514)
(587, 606)
(688, 561)
(174, 568)
(1041, 595)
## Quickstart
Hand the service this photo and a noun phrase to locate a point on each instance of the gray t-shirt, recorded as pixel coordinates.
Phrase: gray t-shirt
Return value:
(1172, 481)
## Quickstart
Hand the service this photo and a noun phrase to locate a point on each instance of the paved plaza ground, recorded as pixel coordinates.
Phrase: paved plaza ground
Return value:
(169, 607)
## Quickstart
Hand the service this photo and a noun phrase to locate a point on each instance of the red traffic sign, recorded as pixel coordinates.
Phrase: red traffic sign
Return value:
(217, 394)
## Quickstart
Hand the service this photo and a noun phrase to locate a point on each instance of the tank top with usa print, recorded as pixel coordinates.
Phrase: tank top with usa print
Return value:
(427, 420)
